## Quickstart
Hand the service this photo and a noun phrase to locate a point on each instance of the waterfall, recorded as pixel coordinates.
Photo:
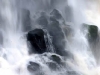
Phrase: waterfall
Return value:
(49, 37)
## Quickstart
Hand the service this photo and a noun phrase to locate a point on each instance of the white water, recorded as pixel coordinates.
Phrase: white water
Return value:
(14, 56)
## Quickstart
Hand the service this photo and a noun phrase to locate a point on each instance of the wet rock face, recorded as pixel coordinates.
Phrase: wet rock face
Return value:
(52, 25)
(36, 39)
(53, 66)
(56, 14)
(93, 31)
(56, 58)
(33, 66)
(57, 36)
(58, 61)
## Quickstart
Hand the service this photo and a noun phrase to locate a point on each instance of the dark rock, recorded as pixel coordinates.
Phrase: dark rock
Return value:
(56, 58)
(53, 66)
(26, 20)
(33, 66)
(93, 31)
(36, 39)
(93, 39)
(57, 36)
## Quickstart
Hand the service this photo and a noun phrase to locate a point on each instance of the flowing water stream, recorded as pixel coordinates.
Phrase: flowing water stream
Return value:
(18, 17)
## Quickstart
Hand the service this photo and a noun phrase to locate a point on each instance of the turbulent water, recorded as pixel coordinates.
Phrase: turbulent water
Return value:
(82, 59)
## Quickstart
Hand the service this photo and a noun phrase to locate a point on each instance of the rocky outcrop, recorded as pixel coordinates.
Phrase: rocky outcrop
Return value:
(57, 36)
(92, 32)
(54, 27)
(37, 40)
(56, 14)
(56, 58)
(42, 20)
(33, 66)
(53, 66)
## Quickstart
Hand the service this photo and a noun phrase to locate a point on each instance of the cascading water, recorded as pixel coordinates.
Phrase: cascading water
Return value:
(65, 48)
